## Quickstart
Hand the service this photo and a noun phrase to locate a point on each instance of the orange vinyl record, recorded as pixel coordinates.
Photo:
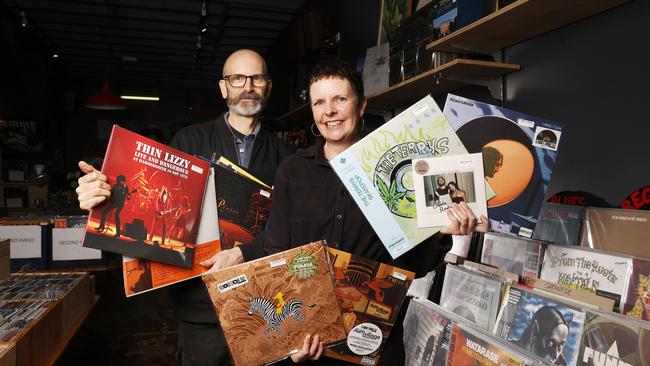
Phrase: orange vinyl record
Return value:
(515, 172)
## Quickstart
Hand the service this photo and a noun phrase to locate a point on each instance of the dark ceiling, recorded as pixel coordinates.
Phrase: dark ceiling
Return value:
(153, 38)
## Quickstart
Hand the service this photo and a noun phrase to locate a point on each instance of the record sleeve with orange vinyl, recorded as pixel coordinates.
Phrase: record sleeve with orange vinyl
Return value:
(519, 153)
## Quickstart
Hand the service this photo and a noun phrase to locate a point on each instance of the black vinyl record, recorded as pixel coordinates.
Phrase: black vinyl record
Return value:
(478, 132)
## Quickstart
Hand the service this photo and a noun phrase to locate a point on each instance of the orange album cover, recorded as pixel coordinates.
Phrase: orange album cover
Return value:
(473, 348)
(370, 295)
(141, 275)
(266, 307)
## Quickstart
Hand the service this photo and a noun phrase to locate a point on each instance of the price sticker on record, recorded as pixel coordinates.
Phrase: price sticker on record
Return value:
(364, 339)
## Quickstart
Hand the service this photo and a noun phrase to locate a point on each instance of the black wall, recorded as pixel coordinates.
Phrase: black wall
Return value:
(590, 76)
(593, 77)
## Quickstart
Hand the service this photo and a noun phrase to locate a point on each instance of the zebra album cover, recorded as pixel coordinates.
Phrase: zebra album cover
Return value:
(266, 307)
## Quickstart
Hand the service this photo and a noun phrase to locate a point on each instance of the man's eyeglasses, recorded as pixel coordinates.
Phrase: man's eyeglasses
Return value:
(239, 80)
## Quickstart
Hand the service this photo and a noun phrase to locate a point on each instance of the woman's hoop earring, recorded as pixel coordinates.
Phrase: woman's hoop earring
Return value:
(312, 130)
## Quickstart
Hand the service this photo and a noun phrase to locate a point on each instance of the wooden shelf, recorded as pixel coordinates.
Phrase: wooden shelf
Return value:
(517, 22)
(63, 343)
(97, 268)
(439, 80)
(434, 81)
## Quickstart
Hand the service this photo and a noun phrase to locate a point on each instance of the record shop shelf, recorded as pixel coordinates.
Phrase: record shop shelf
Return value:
(435, 81)
(67, 337)
(517, 22)
(448, 77)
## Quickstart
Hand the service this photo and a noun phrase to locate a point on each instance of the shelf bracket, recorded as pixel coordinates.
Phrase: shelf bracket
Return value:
(493, 84)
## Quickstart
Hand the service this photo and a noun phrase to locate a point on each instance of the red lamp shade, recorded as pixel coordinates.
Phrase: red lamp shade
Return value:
(105, 100)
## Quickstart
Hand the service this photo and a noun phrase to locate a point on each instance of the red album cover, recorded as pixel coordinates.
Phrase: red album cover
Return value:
(370, 295)
(243, 205)
(141, 275)
(155, 204)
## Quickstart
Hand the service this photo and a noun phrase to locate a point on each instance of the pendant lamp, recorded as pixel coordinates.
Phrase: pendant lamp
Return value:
(105, 100)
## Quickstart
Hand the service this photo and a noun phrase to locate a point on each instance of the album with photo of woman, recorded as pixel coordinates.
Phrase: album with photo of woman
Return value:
(442, 181)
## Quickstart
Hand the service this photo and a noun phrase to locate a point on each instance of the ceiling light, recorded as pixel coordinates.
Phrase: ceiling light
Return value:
(138, 97)
(23, 19)
(55, 56)
(129, 59)
(105, 100)
(203, 30)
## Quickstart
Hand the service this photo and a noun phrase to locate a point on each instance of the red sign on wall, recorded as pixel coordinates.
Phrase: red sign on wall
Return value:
(638, 200)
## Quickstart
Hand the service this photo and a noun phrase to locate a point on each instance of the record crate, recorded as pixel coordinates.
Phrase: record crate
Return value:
(8, 354)
(44, 338)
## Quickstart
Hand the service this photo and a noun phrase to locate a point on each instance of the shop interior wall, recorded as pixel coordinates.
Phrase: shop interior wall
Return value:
(588, 76)
(593, 77)
(30, 91)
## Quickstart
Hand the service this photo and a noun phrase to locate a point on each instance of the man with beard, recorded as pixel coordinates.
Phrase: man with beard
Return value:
(239, 136)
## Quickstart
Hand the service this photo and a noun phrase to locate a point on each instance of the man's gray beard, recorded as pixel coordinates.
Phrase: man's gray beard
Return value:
(247, 109)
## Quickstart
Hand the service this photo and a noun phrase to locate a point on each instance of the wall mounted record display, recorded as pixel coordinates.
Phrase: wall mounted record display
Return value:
(519, 153)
